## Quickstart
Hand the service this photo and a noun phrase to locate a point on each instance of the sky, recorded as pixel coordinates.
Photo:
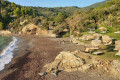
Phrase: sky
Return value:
(55, 3)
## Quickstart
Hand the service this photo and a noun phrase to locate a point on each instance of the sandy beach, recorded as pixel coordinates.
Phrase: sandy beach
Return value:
(34, 52)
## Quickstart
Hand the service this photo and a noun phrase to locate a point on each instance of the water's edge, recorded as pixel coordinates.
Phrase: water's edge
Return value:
(7, 53)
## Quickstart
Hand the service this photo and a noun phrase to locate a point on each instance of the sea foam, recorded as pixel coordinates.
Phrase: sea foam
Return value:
(7, 54)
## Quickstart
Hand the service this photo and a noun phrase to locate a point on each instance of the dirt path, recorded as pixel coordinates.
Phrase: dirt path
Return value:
(34, 52)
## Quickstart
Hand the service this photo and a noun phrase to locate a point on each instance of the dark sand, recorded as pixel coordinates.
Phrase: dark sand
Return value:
(34, 52)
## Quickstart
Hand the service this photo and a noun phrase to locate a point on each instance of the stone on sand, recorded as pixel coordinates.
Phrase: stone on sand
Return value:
(98, 53)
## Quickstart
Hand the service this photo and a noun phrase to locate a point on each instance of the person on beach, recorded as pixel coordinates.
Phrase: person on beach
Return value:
(62, 42)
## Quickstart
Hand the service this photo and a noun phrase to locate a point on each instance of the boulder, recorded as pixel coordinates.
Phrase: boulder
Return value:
(53, 35)
(31, 29)
(87, 50)
(74, 40)
(103, 29)
(81, 43)
(86, 37)
(95, 44)
(97, 36)
(65, 55)
(117, 32)
(106, 40)
(5, 32)
(116, 64)
(117, 47)
(65, 61)
(86, 67)
(118, 54)
(43, 73)
(98, 53)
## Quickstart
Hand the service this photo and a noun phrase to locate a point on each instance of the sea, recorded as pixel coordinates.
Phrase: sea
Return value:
(7, 45)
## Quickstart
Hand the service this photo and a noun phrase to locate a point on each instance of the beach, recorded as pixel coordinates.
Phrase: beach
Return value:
(34, 52)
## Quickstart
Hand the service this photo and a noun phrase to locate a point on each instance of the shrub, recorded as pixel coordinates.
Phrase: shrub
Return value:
(66, 35)
(57, 30)
(1, 25)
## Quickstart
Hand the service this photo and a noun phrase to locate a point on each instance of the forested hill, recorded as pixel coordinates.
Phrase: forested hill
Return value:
(15, 17)
(11, 14)
(107, 16)
(50, 12)
(96, 4)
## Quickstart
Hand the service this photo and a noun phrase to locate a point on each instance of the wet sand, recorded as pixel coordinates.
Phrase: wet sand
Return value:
(34, 52)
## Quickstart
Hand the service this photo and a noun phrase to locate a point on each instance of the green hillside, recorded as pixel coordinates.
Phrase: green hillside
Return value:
(107, 16)
(15, 17)
(96, 4)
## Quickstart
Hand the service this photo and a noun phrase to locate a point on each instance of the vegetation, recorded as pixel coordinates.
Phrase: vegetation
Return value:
(102, 16)
(78, 21)
(15, 17)
(1, 25)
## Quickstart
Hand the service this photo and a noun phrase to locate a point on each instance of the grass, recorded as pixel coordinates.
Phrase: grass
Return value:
(66, 35)
(109, 52)
(110, 55)
(114, 35)
(83, 33)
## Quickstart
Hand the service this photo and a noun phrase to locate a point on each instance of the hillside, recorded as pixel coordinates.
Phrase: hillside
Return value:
(102, 16)
(49, 12)
(15, 17)
(96, 4)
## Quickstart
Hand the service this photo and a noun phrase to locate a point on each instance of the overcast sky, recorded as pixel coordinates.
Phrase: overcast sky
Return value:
(55, 3)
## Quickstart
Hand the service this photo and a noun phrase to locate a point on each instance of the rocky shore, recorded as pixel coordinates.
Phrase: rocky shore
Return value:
(34, 52)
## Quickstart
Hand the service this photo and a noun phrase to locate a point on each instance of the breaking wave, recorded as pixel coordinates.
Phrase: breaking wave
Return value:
(7, 54)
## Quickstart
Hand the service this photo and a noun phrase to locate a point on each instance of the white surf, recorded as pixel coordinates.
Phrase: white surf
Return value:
(7, 54)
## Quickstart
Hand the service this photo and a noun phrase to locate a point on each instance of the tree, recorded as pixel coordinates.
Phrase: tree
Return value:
(17, 12)
(1, 25)
(0, 17)
(23, 11)
(13, 5)
(60, 17)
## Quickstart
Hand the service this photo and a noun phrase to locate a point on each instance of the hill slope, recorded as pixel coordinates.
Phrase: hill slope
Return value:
(96, 5)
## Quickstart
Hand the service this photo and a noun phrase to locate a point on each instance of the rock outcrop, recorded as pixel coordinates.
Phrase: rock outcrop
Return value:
(117, 47)
(98, 53)
(5, 32)
(95, 44)
(106, 40)
(103, 29)
(31, 29)
(116, 65)
(79, 61)
(86, 37)
(65, 61)
(74, 40)
(97, 36)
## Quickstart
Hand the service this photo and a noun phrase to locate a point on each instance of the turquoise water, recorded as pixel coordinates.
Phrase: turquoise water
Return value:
(4, 41)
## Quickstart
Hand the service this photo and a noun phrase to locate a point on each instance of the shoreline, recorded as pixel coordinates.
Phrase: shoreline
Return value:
(7, 53)
(34, 53)
(14, 51)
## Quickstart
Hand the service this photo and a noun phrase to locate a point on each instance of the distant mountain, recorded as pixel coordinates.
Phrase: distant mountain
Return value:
(96, 4)
(45, 11)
